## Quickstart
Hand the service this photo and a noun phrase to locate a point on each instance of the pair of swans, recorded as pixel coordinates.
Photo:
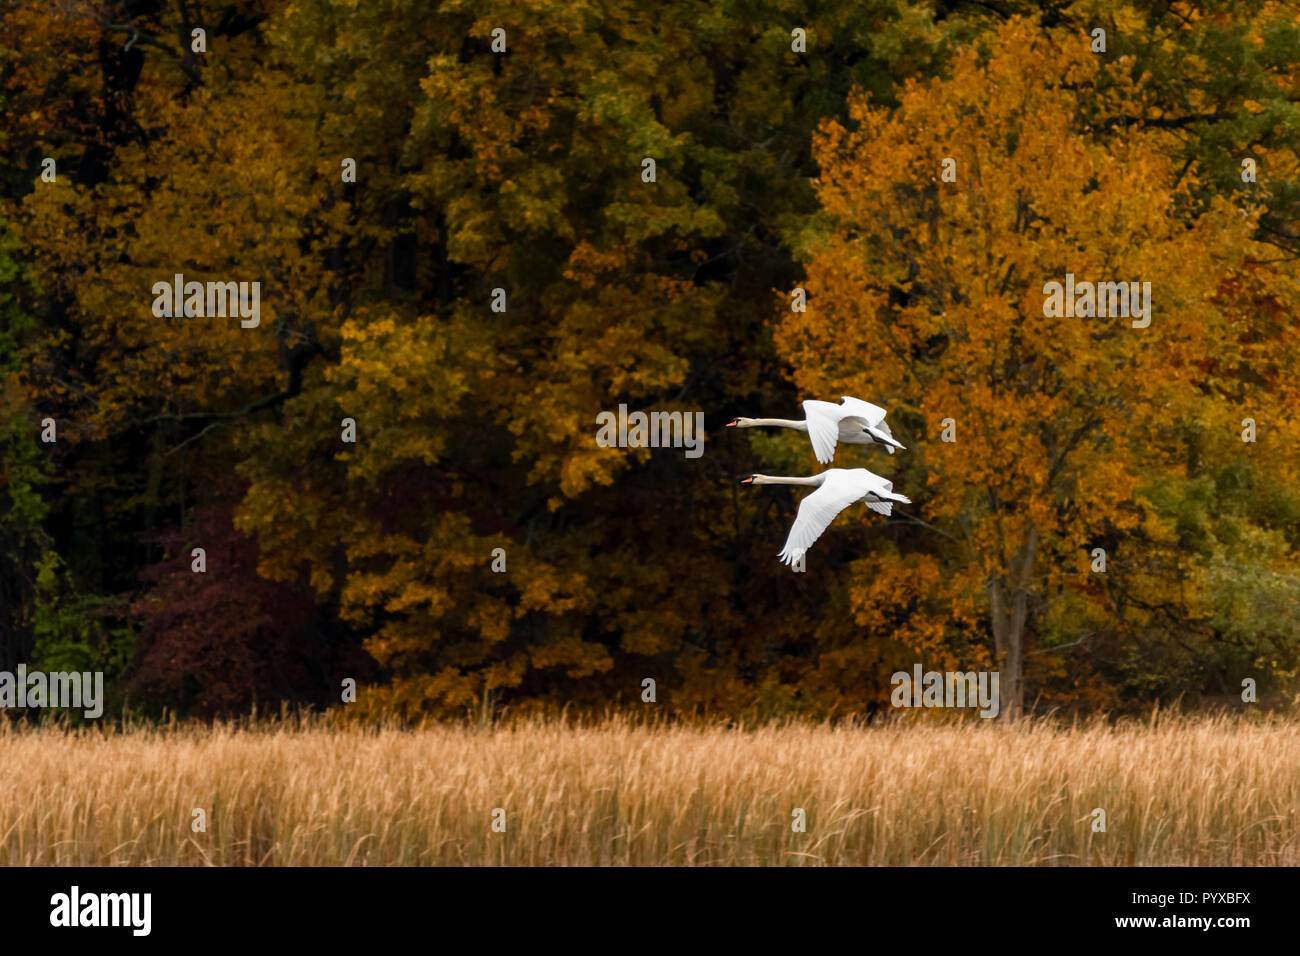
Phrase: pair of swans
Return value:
(855, 422)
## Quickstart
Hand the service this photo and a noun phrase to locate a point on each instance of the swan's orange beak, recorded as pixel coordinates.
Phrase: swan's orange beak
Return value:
(732, 423)
(745, 481)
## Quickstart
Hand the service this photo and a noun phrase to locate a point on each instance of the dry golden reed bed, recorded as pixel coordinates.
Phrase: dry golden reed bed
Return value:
(1195, 791)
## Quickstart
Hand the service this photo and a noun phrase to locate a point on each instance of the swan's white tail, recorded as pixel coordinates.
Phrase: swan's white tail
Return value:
(883, 436)
(887, 507)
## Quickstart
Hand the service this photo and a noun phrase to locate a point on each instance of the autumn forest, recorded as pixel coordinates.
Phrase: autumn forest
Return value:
(476, 227)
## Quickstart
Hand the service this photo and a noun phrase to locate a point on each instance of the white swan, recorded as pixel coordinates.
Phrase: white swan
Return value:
(837, 488)
(853, 421)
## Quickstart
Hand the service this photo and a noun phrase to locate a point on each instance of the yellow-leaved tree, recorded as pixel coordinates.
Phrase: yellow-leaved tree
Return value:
(1035, 424)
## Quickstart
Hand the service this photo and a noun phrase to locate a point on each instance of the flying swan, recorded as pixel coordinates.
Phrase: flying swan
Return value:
(853, 421)
(837, 488)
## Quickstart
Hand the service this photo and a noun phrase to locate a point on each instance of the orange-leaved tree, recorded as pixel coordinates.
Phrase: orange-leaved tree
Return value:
(1036, 424)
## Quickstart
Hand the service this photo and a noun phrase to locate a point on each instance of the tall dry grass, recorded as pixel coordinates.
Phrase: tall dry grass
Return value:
(1180, 791)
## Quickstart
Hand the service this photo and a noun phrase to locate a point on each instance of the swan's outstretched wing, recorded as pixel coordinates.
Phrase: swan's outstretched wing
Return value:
(871, 414)
(818, 510)
(823, 428)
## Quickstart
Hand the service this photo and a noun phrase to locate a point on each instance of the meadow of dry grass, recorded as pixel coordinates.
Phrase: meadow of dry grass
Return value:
(1175, 791)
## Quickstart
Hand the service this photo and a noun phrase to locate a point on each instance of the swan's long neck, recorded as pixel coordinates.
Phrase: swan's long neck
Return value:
(813, 480)
(781, 423)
